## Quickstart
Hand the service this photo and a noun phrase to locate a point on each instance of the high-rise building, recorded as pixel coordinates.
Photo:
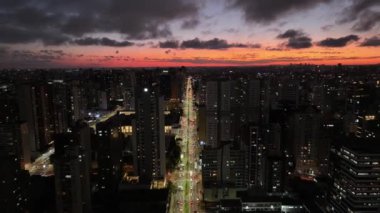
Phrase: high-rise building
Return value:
(355, 173)
(285, 92)
(224, 167)
(110, 142)
(72, 162)
(129, 93)
(202, 93)
(78, 101)
(116, 150)
(275, 173)
(212, 129)
(29, 116)
(210, 167)
(36, 111)
(150, 132)
(12, 189)
(235, 162)
(307, 135)
(212, 117)
(212, 96)
(60, 106)
(256, 159)
(225, 119)
(218, 107)
(254, 97)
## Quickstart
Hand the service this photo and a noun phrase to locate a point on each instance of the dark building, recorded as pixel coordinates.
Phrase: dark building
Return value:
(256, 159)
(109, 149)
(355, 177)
(35, 111)
(72, 160)
(13, 183)
(307, 136)
(293, 137)
(254, 201)
(230, 205)
(150, 124)
(115, 150)
(224, 167)
(141, 199)
(275, 174)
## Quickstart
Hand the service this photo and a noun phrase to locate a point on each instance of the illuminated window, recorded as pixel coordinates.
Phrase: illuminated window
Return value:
(126, 129)
(370, 117)
(168, 129)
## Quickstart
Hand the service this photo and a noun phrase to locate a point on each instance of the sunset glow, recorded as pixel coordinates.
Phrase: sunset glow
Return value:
(187, 33)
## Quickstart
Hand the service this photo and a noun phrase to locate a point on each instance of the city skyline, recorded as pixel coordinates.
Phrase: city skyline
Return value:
(189, 106)
(276, 139)
(52, 34)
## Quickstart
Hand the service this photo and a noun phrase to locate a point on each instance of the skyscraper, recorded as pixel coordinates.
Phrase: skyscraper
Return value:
(224, 166)
(72, 161)
(256, 159)
(150, 124)
(12, 197)
(306, 137)
(212, 117)
(355, 174)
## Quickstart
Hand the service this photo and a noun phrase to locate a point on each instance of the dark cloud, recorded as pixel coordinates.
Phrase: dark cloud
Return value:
(214, 44)
(299, 42)
(371, 42)
(362, 13)
(32, 59)
(169, 44)
(42, 55)
(356, 9)
(108, 58)
(367, 21)
(190, 24)
(264, 11)
(102, 42)
(291, 34)
(338, 42)
(13, 35)
(297, 39)
(252, 60)
(55, 21)
(58, 53)
(79, 25)
(196, 43)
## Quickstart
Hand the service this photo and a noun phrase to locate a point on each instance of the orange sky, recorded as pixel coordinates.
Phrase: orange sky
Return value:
(144, 33)
(154, 57)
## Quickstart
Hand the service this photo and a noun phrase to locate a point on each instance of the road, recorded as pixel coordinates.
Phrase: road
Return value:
(186, 191)
(42, 166)
(104, 117)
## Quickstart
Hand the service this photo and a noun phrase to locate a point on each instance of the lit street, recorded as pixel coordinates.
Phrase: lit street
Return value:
(186, 193)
